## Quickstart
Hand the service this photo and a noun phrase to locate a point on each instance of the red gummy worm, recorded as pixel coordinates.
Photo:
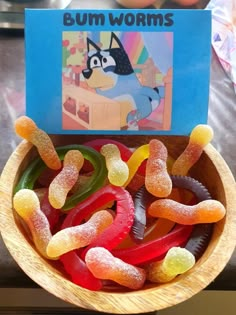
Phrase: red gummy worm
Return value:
(125, 152)
(155, 249)
(122, 223)
(52, 214)
(79, 272)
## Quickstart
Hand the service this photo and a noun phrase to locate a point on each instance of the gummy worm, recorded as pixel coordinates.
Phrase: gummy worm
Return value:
(206, 211)
(97, 179)
(157, 179)
(155, 249)
(200, 136)
(143, 199)
(26, 128)
(135, 160)
(104, 265)
(65, 180)
(123, 220)
(111, 237)
(177, 261)
(125, 152)
(202, 232)
(189, 183)
(27, 205)
(79, 236)
(118, 171)
(79, 272)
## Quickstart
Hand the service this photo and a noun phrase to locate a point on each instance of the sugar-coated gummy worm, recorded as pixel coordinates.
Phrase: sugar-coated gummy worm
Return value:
(157, 179)
(118, 171)
(177, 261)
(143, 199)
(104, 265)
(206, 211)
(27, 205)
(110, 238)
(201, 233)
(65, 179)
(125, 152)
(26, 128)
(97, 179)
(200, 136)
(123, 220)
(79, 236)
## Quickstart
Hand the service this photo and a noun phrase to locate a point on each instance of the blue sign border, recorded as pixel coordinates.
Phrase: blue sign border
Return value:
(191, 66)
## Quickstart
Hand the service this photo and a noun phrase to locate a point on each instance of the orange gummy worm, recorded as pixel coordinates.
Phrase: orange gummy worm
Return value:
(207, 211)
(26, 128)
(104, 265)
(157, 179)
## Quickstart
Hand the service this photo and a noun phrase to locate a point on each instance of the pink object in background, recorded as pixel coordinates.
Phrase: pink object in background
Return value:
(145, 3)
(136, 3)
(186, 2)
(224, 34)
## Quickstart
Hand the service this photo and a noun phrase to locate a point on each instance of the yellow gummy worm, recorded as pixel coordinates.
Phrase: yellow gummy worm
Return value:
(136, 159)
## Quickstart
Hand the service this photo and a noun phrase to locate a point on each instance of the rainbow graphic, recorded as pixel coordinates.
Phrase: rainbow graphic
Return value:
(143, 45)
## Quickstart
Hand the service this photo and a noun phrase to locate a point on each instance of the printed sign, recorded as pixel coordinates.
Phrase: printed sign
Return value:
(117, 72)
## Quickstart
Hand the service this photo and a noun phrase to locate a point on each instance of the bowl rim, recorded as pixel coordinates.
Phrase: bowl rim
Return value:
(142, 301)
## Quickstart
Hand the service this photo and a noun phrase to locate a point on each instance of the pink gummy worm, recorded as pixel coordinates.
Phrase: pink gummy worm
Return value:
(65, 179)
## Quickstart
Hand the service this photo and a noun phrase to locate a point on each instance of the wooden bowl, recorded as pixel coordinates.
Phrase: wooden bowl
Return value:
(211, 170)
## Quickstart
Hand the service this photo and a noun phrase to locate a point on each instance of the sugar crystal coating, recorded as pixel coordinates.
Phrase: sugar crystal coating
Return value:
(79, 236)
(26, 128)
(157, 179)
(206, 211)
(200, 136)
(104, 265)
(177, 261)
(26, 204)
(118, 170)
(66, 179)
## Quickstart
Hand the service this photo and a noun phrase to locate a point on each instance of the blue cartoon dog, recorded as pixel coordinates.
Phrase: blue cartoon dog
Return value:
(110, 72)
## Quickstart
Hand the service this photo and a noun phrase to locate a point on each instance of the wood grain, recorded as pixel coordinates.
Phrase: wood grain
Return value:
(211, 170)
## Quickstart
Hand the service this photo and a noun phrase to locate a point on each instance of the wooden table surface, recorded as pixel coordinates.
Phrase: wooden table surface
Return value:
(12, 104)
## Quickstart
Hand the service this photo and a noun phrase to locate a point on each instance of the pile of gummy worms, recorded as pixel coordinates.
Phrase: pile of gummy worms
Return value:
(113, 216)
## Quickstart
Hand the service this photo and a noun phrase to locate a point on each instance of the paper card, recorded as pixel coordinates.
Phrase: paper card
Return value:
(117, 71)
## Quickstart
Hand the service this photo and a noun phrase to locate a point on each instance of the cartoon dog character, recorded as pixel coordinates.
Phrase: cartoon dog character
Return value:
(111, 74)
